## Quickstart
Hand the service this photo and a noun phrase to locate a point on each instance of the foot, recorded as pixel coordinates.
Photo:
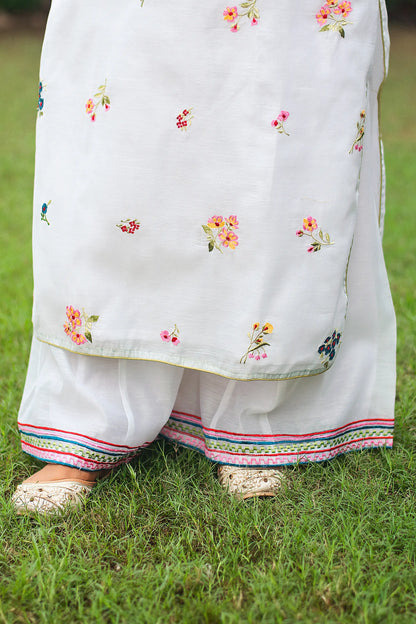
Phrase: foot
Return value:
(54, 489)
(56, 472)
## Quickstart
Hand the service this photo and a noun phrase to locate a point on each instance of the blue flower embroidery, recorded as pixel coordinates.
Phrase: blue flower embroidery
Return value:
(44, 210)
(41, 100)
(327, 350)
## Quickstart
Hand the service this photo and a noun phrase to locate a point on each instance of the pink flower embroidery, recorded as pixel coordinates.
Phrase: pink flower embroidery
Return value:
(234, 16)
(216, 222)
(76, 318)
(344, 8)
(358, 141)
(309, 224)
(89, 106)
(228, 238)
(78, 338)
(220, 232)
(332, 16)
(257, 346)
(323, 14)
(170, 336)
(279, 121)
(319, 240)
(230, 14)
(101, 98)
(233, 222)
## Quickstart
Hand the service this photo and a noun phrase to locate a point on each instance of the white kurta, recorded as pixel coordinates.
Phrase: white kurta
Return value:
(209, 193)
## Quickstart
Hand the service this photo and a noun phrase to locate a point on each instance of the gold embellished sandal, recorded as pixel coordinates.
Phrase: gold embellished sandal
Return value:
(249, 482)
(50, 497)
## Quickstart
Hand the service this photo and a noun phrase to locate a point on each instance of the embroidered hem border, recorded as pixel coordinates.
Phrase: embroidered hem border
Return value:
(277, 450)
(87, 453)
(73, 449)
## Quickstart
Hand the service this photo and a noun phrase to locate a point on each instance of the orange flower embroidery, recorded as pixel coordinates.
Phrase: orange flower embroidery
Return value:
(234, 17)
(220, 232)
(257, 346)
(332, 16)
(75, 320)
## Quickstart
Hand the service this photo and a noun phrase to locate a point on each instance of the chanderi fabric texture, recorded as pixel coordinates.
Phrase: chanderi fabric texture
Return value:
(209, 198)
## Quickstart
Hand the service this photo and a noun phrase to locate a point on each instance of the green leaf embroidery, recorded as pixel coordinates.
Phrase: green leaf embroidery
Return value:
(257, 343)
(99, 98)
(252, 13)
(259, 346)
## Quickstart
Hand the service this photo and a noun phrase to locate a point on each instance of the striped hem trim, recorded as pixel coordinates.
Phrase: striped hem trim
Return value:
(276, 450)
(73, 449)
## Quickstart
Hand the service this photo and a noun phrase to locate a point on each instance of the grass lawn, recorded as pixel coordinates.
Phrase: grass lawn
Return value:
(161, 543)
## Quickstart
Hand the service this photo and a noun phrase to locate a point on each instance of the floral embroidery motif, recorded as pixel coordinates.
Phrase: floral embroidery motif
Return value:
(332, 16)
(220, 232)
(358, 141)
(43, 212)
(257, 346)
(279, 121)
(129, 225)
(41, 99)
(100, 98)
(72, 327)
(141, 3)
(309, 226)
(170, 336)
(183, 120)
(327, 350)
(231, 14)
